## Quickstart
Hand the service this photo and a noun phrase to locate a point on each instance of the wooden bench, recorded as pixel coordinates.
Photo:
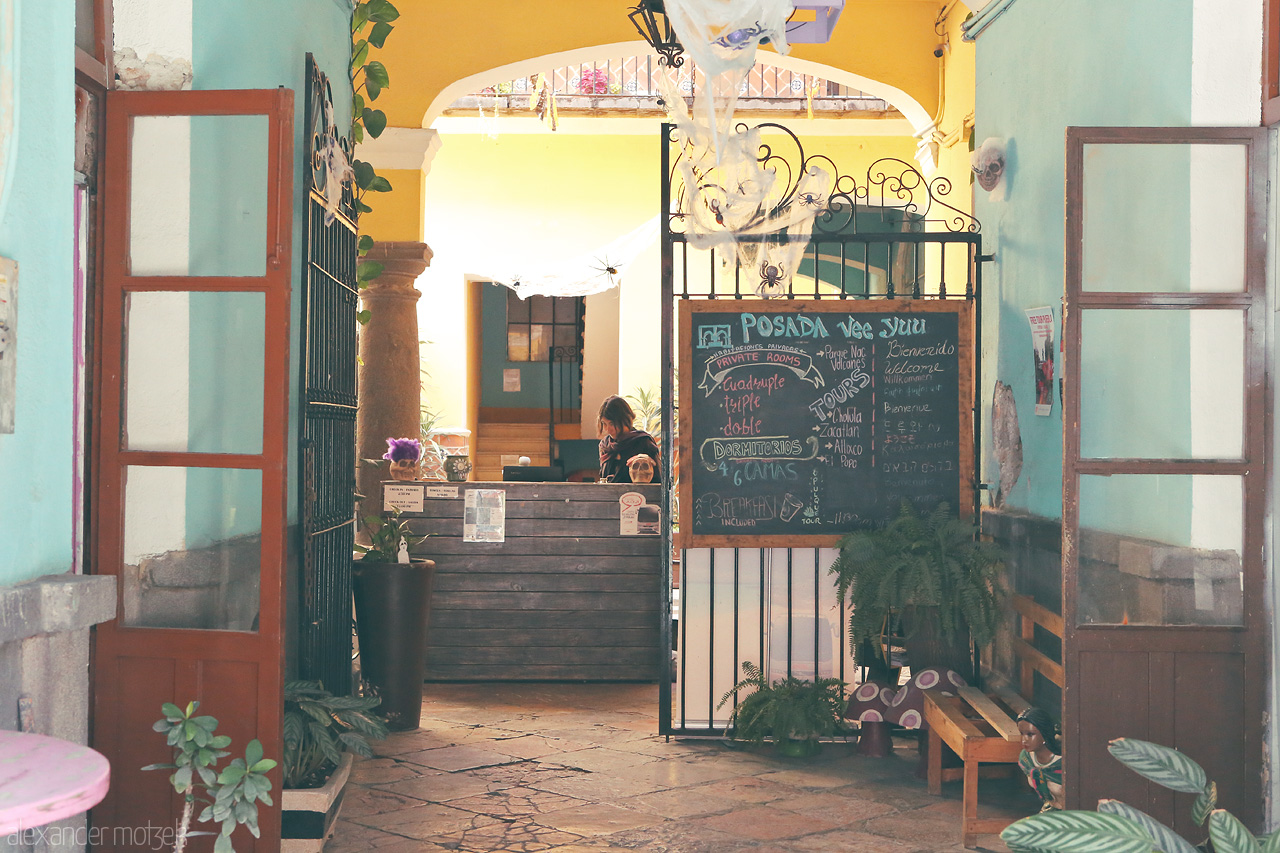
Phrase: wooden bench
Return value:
(980, 727)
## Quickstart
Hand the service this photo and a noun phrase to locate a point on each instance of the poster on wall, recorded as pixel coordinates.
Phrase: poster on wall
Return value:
(484, 515)
(8, 343)
(1041, 320)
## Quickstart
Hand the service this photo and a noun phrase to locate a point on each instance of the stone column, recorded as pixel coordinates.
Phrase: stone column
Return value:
(390, 379)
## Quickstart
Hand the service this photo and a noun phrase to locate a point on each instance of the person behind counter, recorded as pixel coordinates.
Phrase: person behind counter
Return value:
(620, 441)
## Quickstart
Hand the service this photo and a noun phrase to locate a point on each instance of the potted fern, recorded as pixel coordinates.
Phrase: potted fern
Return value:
(793, 712)
(321, 731)
(933, 574)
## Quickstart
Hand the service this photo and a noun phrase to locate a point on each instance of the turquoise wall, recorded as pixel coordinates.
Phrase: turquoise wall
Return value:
(1041, 68)
(36, 231)
(234, 47)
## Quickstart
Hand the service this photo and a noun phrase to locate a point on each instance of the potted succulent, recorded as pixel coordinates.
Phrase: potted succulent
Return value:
(231, 794)
(393, 603)
(793, 712)
(935, 575)
(321, 731)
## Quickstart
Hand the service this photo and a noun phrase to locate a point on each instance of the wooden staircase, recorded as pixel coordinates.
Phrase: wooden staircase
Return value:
(499, 444)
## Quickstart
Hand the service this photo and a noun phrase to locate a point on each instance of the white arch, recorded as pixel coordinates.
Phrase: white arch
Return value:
(921, 121)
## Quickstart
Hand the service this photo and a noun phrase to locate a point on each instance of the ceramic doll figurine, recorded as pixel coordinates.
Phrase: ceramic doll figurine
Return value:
(1040, 759)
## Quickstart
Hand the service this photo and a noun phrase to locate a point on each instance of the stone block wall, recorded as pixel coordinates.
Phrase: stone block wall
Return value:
(44, 661)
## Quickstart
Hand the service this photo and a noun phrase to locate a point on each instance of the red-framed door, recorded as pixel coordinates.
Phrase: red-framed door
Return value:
(190, 427)
(1165, 460)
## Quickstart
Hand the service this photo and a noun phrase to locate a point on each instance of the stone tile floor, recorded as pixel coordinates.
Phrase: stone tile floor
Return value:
(578, 768)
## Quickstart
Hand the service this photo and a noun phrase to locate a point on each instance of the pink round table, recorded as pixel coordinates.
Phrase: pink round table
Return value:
(43, 779)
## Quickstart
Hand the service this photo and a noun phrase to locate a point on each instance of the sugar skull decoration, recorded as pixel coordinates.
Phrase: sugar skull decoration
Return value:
(403, 454)
(641, 468)
(988, 161)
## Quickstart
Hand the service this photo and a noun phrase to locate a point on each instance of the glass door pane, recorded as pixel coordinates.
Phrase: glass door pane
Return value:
(1165, 218)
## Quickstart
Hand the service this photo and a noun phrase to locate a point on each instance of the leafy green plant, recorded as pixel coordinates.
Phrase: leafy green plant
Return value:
(384, 537)
(1119, 828)
(936, 561)
(648, 411)
(788, 709)
(368, 78)
(319, 726)
(231, 794)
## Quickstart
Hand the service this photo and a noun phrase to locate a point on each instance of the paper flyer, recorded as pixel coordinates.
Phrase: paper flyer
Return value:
(1042, 350)
(484, 516)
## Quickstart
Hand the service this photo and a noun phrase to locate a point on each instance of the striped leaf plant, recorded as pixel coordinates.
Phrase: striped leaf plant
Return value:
(1120, 828)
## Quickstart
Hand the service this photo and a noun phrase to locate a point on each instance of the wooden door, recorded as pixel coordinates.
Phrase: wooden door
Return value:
(191, 426)
(1165, 460)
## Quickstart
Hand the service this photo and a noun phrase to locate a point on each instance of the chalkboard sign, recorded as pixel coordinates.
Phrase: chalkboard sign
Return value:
(814, 418)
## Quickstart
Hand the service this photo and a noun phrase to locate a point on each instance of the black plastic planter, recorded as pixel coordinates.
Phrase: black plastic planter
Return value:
(393, 604)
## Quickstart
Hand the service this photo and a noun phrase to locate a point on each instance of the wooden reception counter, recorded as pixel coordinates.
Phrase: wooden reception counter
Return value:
(539, 581)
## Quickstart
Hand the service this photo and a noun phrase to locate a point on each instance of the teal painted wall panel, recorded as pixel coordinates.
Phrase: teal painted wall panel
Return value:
(36, 231)
(1040, 68)
(234, 47)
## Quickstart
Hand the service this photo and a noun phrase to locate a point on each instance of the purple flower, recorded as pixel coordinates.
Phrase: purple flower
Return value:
(403, 449)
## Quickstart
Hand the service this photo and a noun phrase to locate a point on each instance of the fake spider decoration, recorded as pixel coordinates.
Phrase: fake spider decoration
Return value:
(606, 267)
(811, 200)
(739, 39)
(772, 277)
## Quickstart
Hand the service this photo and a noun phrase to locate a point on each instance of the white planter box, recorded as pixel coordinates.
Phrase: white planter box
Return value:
(309, 814)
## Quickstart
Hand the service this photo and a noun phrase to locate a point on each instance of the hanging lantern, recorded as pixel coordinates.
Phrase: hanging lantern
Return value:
(650, 20)
(813, 21)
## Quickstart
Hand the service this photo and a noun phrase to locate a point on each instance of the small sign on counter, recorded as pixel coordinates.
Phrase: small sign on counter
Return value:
(406, 497)
(637, 517)
(484, 516)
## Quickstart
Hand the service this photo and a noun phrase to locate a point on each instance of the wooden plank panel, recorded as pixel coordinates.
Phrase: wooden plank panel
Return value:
(531, 527)
(606, 637)
(544, 673)
(437, 510)
(1115, 687)
(448, 618)
(1042, 616)
(570, 546)
(990, 712)
(946, 712)
(553, 563)
(563, 656)
(549, 601)
(1013, 700)
(484, 583)
(1036, 659)
(1200, 724)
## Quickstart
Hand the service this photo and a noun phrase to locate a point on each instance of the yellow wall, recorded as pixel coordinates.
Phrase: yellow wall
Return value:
(436, 43)
(396, 215)
(524, 199)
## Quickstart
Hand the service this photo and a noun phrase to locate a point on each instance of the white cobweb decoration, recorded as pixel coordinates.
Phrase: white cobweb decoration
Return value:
(733, 201)
(592, 272)
(722, 37)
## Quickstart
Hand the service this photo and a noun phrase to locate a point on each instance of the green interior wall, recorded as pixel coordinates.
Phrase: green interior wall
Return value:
(1106, 63)
(535, 378)
(36, 461)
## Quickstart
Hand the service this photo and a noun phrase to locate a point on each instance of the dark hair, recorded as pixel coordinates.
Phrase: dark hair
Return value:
(616, 411)
(1040, 719)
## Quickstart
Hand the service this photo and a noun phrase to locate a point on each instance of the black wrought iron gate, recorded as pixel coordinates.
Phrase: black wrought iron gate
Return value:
(890, 237)
(327, 463)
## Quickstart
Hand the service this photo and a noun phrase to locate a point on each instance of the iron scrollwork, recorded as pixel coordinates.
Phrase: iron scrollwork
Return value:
(894, 195)
(330, 152)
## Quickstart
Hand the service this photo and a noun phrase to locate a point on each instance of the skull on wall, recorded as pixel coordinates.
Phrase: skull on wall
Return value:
(988, 162)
